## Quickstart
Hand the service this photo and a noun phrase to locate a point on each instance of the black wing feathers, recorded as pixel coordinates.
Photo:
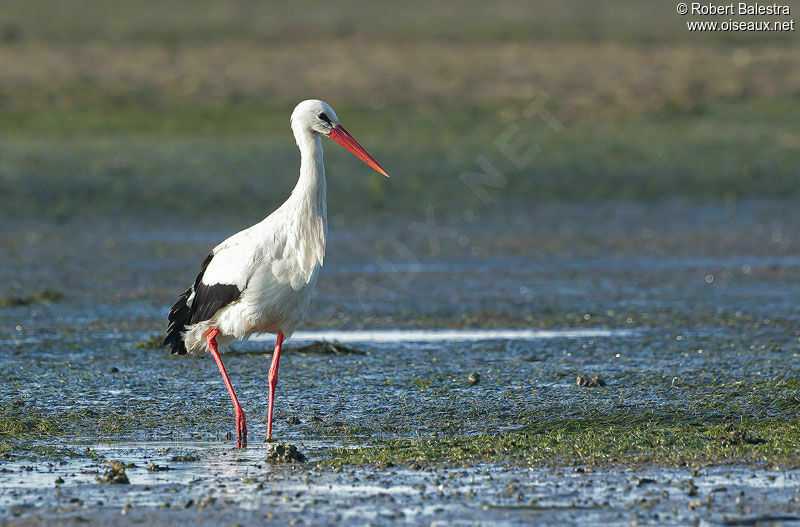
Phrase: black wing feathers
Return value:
(208, 299)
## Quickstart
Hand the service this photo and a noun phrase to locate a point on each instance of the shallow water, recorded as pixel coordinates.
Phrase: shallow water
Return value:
(686, 311)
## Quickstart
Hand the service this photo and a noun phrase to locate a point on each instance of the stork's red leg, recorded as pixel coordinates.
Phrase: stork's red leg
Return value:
(241, 426)
(273, 381)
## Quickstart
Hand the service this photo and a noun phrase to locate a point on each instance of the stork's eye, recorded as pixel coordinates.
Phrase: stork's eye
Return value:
(325, 118)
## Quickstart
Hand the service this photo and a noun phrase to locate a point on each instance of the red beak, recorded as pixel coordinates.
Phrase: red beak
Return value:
(341, 136)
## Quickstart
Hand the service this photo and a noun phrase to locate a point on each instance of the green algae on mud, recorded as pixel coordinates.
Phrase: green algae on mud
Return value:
(45, 296)
(597, 443)
(154, 341)
(25, 424)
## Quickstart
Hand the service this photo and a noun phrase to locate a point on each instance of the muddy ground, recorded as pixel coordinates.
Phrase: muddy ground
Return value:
(686, 313)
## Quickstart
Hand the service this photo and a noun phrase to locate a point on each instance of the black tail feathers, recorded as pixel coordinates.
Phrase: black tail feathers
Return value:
(178, 317)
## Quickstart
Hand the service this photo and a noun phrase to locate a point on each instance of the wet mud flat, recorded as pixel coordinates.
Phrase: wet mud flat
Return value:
(672, 437)
(622, 365)
(211, 483)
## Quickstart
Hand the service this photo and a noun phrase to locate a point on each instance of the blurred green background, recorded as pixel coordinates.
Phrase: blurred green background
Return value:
(146, 107)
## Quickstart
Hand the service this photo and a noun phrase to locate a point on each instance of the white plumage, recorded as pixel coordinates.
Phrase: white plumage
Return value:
(262, 278)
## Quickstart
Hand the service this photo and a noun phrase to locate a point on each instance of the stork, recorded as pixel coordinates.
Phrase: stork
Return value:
(260, 280)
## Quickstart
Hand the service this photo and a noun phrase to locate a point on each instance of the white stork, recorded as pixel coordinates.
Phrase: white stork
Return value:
(261, 279)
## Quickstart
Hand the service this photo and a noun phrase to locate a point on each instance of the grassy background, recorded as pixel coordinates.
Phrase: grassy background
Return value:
(133, 107)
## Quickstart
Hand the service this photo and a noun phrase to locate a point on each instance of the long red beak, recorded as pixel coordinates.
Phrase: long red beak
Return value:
(341, 136)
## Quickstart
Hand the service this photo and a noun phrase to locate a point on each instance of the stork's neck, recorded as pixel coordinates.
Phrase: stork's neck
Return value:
(309, 193)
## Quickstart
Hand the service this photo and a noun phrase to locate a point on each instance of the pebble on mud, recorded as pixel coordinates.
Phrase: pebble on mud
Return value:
(115, 474)
(474, 378)
(590, 382)
(284, 453)
(152, 467)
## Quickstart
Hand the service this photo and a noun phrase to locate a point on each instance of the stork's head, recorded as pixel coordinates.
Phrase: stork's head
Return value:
(318, 117)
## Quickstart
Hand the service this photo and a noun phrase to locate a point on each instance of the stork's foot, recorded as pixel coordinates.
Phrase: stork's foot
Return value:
(241, 429)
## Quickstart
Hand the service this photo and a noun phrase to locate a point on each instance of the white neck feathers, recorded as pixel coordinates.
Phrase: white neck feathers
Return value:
(306, 211)
(311, 187)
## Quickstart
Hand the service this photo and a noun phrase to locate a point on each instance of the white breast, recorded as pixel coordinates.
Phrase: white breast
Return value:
(284, 267)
